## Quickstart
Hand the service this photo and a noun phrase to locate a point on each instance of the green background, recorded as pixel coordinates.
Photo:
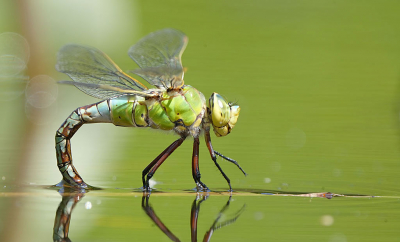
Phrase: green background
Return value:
(318, 86)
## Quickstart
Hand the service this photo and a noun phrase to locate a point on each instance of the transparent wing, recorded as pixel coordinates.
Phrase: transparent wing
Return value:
(159, 57)
(95, 73)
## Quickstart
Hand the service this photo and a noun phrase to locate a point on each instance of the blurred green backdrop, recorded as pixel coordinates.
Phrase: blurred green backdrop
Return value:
(317, 82)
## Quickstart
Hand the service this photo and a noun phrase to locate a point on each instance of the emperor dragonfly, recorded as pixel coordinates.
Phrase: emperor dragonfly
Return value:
(170, 106)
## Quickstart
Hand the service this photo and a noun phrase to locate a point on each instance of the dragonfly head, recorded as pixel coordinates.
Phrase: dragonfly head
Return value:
(223, 115)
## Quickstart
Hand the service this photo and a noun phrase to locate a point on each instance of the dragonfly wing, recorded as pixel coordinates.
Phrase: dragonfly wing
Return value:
(159, 57)
(95, 73)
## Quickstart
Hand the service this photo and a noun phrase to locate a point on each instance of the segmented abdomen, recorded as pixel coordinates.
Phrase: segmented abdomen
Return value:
(129, 111)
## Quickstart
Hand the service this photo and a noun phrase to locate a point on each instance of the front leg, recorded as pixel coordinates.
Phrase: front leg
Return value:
(213, 154)
(214, 158)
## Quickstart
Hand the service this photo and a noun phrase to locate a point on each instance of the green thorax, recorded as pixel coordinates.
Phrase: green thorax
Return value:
(181, 109)
(178, 108)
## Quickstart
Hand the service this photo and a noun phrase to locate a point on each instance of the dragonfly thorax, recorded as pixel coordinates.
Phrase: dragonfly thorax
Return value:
(180, 110)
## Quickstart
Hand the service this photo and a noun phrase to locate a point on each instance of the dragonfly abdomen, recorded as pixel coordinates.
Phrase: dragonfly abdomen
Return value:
(129, 111)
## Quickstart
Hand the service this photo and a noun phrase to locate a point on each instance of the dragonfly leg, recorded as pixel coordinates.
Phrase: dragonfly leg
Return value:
(195, 165)
(94, 113)
(214, 158)
(153, 166)
(149, 166)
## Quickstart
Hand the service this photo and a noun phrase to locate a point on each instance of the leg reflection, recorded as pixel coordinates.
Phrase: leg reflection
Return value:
(150, 212)
(217, 224)
(194, 215)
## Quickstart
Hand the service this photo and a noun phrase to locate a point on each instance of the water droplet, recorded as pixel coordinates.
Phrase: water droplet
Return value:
(267, 180)
(88, 205)
(338, 238)
(258, 215)
(327, 220)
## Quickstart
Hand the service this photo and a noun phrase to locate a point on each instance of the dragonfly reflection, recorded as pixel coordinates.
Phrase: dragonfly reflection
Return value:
(70, 199)
(63, 215)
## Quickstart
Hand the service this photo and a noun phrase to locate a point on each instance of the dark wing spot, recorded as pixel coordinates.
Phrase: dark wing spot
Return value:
(119, 117)
(141, 115)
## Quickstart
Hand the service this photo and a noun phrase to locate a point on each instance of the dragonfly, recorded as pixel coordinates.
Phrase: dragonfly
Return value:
(169, 105)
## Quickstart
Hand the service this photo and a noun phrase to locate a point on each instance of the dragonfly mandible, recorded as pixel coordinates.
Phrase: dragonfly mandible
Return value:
(169, 106)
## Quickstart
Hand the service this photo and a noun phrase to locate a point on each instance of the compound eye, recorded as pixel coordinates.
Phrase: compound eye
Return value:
(220, 110)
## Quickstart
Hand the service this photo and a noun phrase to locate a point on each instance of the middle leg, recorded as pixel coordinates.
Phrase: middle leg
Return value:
(195, 166)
